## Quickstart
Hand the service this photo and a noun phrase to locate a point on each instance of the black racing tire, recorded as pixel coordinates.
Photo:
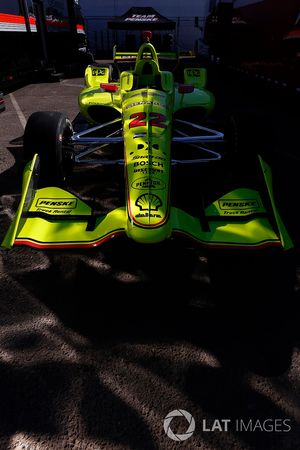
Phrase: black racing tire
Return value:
(244, 141)
(114, 74)
(244, 135)
(47, 134)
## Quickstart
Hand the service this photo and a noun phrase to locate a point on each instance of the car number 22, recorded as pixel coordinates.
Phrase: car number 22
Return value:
(140, 120)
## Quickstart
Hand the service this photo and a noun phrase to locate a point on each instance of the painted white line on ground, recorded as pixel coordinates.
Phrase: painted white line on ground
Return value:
(74, 85)
(66, 83)
(18, 110)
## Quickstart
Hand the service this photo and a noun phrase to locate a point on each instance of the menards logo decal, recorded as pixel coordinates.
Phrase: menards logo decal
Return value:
(238, 204)
(64, 203)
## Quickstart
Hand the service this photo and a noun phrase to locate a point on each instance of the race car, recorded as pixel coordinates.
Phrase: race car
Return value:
(173, 164)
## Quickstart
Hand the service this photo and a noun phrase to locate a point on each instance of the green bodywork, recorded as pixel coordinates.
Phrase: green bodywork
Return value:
(130, 82)
(54, 218)
(145, 101)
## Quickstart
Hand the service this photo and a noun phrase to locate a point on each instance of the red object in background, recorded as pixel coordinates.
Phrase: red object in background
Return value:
(147, 35)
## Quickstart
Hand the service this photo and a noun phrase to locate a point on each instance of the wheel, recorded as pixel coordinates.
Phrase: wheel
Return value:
(114, 74)
(247, 134)
(47, 133)
(244, 140)
(241, 134)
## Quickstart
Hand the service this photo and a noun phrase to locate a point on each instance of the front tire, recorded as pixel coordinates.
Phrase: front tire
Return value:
(245, 140)
(47, 133)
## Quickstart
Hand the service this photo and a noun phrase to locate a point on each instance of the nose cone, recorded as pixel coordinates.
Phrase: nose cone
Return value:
(147, 139)
(148, 202)
(148, 235)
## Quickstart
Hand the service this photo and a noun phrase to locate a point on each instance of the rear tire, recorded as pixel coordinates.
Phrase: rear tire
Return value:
(244, 141)
(47, 133)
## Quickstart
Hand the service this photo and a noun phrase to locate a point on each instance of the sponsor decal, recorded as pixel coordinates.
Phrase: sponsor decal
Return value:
(193, 72)
(148, 94)
(238, 204)
(160, 158)
(55, 211)
(147, 214)
(125, 57)
(147, 163)
(58, 203)
(98, 72)
(148, 202)
(148, 183)
(148, 171)
(152, 146)
(141, 157)
(143, 103)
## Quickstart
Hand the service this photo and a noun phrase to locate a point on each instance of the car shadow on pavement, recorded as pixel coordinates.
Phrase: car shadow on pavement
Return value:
(95, 333)
(8, 178)
(170, 290)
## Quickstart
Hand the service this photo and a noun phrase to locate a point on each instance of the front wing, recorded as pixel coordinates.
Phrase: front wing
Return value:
(55, 218)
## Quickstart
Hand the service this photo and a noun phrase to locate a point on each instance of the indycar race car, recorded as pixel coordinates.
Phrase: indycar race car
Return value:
(161, 126)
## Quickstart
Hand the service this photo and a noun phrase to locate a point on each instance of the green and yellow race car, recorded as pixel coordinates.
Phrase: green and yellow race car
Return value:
(174, 166)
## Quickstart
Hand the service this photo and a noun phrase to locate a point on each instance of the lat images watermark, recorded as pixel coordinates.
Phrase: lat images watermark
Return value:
(179, 413)
(267, 425)
(277, 425)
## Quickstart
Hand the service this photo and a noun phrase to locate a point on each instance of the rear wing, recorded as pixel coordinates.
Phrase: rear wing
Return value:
(131, 56)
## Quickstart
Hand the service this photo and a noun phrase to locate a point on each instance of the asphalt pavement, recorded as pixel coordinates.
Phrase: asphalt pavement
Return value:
(99, 347)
